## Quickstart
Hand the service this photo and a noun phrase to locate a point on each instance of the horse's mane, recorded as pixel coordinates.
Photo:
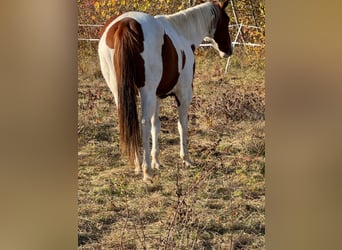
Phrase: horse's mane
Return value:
(201, 17)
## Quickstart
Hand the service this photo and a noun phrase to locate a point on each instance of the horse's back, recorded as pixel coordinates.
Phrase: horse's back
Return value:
(167, 56)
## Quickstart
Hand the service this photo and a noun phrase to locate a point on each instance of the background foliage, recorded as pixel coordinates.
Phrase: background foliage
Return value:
(248, 12)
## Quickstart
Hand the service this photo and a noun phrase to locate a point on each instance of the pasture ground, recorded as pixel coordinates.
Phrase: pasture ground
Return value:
(219, 204)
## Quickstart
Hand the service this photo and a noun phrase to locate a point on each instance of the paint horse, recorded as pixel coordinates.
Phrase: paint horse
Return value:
(154, 56)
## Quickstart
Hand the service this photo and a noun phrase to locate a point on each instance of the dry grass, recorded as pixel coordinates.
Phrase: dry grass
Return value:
(219, 204)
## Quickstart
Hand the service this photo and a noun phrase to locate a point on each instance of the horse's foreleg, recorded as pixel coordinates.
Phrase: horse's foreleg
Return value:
(155, 132)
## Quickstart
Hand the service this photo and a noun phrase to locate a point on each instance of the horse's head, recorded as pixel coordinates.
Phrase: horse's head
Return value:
(220, 37)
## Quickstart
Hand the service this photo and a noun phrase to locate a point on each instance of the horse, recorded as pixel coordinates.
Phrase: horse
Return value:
(153, 56)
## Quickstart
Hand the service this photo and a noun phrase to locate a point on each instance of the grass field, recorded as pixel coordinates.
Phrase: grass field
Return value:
(219, 204)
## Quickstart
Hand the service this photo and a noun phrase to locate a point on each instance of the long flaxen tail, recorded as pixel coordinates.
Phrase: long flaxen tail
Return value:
(127, 47)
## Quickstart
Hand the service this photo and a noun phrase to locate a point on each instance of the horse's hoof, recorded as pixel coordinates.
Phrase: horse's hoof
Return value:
(137, 171)
(148, 176)
(189, 163)
(148, 180)
(156, 165)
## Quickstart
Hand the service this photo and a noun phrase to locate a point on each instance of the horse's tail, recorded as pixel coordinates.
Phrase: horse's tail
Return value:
(127, 49)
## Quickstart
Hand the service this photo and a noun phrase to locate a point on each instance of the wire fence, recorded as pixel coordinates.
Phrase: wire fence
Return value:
(203, 44)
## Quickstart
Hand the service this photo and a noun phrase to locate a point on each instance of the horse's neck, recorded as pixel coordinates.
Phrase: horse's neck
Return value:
(193, 23)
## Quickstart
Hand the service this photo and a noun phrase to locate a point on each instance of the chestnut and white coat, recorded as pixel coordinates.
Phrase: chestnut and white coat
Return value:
(154, 56)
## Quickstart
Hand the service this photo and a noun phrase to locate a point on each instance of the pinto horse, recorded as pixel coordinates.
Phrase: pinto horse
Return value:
(154, 56)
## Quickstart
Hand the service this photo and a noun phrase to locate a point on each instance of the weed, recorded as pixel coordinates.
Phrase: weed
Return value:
(219, 204)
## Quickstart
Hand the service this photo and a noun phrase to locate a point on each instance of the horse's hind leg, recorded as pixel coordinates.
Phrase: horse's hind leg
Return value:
(155, 132)
(148, 104)
(183, 108)
(137, 163)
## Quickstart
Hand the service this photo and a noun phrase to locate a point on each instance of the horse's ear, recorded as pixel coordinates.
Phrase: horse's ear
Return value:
(224, 4)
